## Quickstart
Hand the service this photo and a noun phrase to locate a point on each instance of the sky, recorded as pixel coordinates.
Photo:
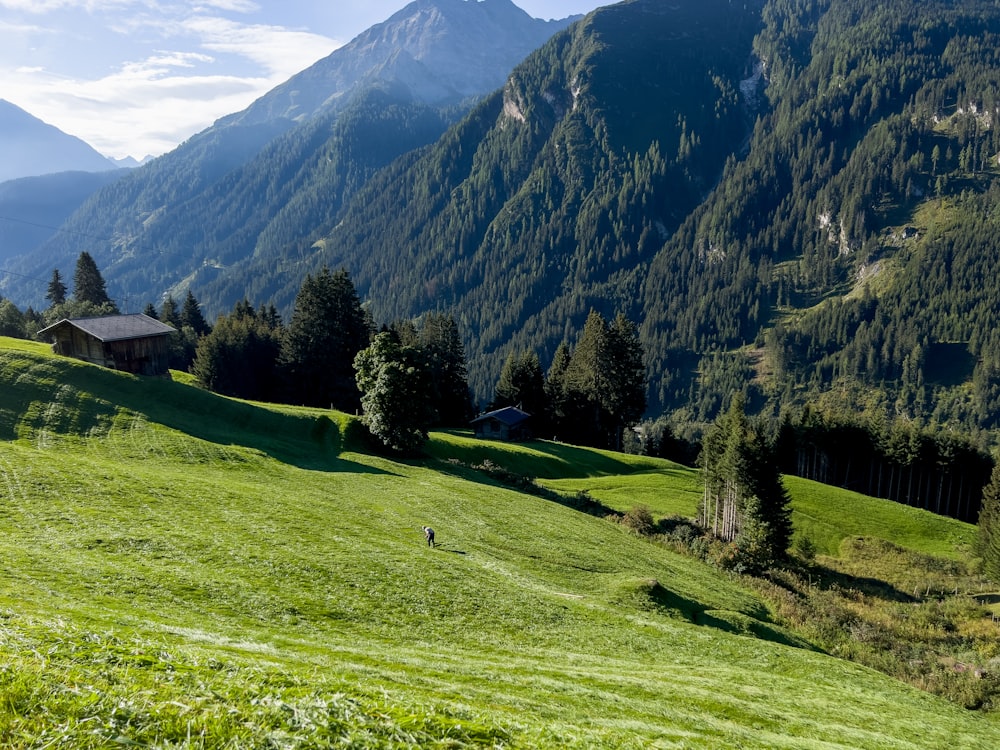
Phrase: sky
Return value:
(138, 77)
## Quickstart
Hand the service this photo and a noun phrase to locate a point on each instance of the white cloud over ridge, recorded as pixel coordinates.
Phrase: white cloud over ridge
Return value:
(180, 67)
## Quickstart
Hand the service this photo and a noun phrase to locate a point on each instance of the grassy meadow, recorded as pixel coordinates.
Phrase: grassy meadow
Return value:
(183, 570)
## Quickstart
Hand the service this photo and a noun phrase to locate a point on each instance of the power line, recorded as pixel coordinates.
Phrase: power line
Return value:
(56, 229)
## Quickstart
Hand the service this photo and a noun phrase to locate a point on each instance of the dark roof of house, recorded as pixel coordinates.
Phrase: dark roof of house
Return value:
(509, 415)
(116, 327)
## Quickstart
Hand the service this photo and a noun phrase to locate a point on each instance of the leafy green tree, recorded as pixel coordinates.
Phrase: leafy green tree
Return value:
(11, 320)
(56, 293)
(989, 526)
(191, 315)
(327, 330)
(88, 284)
(395, 384)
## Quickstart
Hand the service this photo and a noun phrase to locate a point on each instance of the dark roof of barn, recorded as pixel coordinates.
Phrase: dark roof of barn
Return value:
(509, 415)
(116, 327)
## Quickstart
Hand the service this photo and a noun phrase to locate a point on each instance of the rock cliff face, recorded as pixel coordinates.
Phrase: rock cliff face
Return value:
(30, 147)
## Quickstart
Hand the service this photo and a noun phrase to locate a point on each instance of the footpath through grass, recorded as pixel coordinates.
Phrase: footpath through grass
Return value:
(182, 570)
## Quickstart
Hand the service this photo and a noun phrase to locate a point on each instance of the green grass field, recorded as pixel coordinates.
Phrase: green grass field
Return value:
(183, 570)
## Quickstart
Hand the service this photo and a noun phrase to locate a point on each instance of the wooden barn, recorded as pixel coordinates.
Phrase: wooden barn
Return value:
(509, 423)
(132, 343)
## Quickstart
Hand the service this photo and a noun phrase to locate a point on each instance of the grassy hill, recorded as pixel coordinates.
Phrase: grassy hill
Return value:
(183, 570)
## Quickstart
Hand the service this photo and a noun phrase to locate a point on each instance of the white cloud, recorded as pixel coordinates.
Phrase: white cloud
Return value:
(183, 68)
(278, 50)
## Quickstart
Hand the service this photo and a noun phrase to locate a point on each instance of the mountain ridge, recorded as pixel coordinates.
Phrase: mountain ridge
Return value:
(30, 147)
(161, 219)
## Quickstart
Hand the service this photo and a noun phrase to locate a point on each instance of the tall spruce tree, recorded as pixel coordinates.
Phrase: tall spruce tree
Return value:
(88, 284)
(191, 315)
(522, 384)
(56, 293)
(239, 356)
(604, 384)
(441, 344)
(169, 313)
(327, 330)
(555, 390)
(989, 526)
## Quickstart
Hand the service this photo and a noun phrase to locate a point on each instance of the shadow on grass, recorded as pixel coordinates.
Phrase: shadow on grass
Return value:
(828, 579)
(82, 399)
(545, 459)
(490, 473)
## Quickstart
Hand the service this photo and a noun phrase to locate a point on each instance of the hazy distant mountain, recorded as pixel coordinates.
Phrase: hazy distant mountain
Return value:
(276, 174)
(33, 208)
(30, 147)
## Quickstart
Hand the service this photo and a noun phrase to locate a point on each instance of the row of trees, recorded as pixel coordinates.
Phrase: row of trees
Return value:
(592, 393)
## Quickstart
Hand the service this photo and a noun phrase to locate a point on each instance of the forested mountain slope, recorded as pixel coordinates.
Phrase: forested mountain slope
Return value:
(858, 232)
(792, 197)
(553, 193)
(266, 179)
(31, 208)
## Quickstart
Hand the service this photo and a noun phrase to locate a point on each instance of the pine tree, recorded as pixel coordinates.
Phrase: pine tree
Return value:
(191, 315)
(239, 356)
(169, 313)
(56, 293)
(88, 284)
(555, 390)
(327, 330)
(522, 385)
(744, 500)
(988, 545)
(605, 383)
(441, 344)
(626, 397)
(150, 311)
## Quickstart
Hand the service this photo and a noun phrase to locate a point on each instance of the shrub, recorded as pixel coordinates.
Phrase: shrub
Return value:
(640, 520)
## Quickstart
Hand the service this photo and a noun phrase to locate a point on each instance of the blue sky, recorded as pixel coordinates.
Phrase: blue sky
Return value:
(137, 77)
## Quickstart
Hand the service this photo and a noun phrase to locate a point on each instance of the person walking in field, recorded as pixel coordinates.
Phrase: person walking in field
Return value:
(429, 533)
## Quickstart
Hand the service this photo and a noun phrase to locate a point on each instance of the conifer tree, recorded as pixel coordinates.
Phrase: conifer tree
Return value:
(744, 500)
(169, 313)
(88, 284)
(327, 330)
(56, 293)
(191, 315)
(239, 356)
(555, 390)
(522, 385)
(441, 344)
(150, 311)
(989, 526)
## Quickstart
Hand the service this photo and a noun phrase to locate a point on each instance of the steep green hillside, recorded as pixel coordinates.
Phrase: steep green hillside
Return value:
(183, 570)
